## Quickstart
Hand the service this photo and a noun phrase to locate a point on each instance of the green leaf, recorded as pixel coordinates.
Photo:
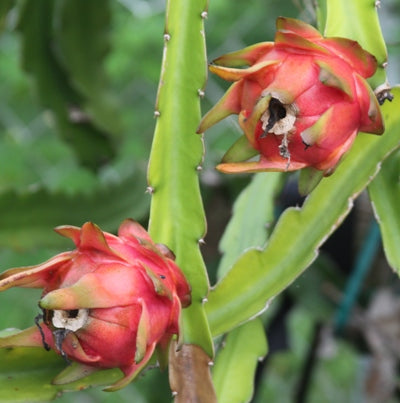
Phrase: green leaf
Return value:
(176, 214)
(235, 366)
(358, 20)
(5, 7)
(253, 212)
(384, 192)
(258, 276)
(27, 219)
(82, 37)
(92, 145)
(236, 363)
(308, 290)
(26, 374)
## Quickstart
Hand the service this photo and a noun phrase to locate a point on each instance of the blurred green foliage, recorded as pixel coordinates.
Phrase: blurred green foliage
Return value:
(76, 123)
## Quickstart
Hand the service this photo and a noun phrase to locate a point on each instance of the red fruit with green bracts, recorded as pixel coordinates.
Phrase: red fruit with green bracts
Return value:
(301, 101)
(108, 303)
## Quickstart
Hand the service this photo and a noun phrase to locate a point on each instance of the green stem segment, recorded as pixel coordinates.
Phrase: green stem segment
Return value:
(358, 20)
(177, 216)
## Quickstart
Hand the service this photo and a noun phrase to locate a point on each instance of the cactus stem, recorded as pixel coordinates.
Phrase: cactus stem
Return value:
(183, 72)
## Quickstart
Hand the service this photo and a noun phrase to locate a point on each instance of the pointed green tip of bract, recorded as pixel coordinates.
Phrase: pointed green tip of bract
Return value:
(328, 77)
(74, 372)
(229, 104)
(244, 57)
(309, 179)
(240, 151)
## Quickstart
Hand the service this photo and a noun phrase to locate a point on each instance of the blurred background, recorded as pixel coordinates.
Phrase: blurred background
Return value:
(78, 83)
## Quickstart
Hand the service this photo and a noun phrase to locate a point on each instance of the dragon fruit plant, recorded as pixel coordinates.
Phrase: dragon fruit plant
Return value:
(122, 301)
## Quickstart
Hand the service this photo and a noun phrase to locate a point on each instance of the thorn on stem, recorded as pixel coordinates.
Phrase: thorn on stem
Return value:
(201, 93)
(202, 241)
(199, 168)
(204, 300)
(149, 190)
(157, 114)
(167, 37)
(204, 15)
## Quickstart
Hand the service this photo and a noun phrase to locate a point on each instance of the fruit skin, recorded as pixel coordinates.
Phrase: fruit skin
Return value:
(301, 101)
(108, 303)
